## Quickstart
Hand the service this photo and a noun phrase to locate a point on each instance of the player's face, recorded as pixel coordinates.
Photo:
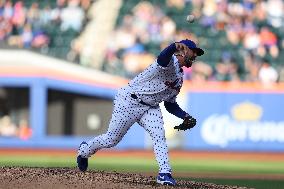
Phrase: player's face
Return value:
(188, 58)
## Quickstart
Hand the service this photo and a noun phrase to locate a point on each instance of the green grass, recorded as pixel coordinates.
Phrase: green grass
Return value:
(150, 165)
(122, 164)
(36, 161)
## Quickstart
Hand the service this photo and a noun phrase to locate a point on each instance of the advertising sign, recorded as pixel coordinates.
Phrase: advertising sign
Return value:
(236, 121)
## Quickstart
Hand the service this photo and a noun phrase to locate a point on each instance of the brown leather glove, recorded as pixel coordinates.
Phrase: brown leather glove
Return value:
(188, 123)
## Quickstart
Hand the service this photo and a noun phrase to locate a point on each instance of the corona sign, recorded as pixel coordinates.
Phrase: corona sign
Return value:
(237, 121)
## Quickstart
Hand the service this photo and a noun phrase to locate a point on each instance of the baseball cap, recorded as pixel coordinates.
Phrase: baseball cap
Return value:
(190, 44)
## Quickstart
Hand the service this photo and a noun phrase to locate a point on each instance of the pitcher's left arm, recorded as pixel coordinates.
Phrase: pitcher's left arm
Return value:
(188, 121)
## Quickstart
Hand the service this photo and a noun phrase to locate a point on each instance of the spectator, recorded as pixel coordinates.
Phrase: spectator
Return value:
(251, 65)
(260, 14)
(33, 16)
(72, 16)
(268, 41)
(19, 14)
(178, 4)
(33, 27)
(26, 37)
(25, 132)
(209, 11)
(248, 28)
(234, 30)
(267, 74)
(56, 12)
(200, 72)
(40, 40)
(168, 29)
(113, 64)
(45, 16)
(8, 10)
(7, 127)
(275, 13)
(281, 74)
(226, 69)
(251, 40)
(5, 28)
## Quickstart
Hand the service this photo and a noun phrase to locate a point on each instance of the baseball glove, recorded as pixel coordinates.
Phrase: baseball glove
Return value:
(188, 123)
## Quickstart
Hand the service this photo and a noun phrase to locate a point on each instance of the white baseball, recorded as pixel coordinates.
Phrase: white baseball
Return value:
(190, 18)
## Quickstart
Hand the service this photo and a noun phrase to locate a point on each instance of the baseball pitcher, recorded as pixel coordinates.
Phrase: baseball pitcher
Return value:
(139, 102)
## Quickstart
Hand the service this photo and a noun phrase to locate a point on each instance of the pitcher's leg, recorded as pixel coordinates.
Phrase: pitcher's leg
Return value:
(152, 121)
(124, 116)
(117, 129)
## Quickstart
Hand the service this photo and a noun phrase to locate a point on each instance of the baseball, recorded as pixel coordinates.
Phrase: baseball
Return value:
(190, 18)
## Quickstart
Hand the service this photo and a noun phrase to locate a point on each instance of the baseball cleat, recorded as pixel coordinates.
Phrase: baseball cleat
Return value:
(166, 179)
(81, 161)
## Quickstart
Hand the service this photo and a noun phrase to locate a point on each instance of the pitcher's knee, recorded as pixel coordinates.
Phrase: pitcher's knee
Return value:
(111, 141)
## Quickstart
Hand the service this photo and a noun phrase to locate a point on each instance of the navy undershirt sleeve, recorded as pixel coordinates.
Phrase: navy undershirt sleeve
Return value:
(174, 109)
(165, 56)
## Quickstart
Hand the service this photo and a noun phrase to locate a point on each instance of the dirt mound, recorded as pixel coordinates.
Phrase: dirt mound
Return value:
(69, 178)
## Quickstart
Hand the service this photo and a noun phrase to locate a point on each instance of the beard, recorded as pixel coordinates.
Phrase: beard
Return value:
(188, 61)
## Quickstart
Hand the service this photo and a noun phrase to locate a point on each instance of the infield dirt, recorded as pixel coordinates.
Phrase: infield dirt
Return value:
(69, 178)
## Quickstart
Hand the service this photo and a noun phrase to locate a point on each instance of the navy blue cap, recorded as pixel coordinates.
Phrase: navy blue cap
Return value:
(190, 44)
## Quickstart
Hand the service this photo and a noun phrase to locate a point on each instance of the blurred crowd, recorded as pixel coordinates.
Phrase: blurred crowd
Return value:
(24, 24)
(138, 39)
(252, 28)
(9, 129)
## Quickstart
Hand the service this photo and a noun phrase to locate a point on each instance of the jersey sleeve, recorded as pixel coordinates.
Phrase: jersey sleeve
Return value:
(174, 109)
(165, 56)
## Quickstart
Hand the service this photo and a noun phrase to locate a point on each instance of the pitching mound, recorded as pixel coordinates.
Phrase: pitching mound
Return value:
(69, 178)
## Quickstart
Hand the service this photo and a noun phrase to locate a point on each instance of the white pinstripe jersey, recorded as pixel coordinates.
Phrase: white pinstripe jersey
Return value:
(156, 83)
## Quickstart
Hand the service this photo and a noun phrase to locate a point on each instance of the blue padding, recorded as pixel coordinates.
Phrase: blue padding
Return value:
(66, 86)
(38, 108)
(15, 81)
(78, 88)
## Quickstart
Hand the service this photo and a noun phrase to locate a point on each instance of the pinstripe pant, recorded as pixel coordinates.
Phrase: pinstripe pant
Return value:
(126, 112)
